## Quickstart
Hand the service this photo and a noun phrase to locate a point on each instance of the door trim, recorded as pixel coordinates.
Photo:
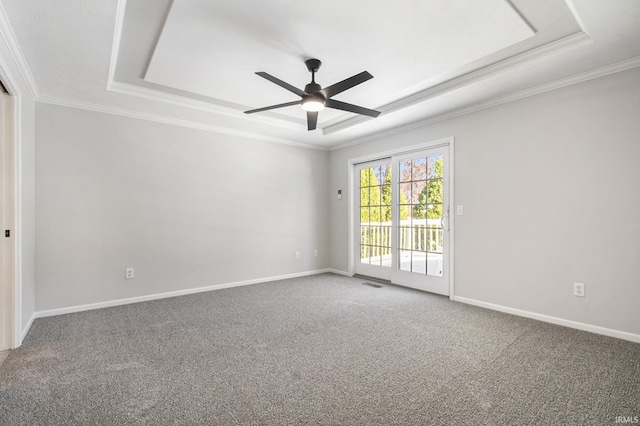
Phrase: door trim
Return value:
(351, 164)
(14, 141)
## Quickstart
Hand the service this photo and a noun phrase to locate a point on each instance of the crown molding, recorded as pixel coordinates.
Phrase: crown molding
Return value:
(556, 84)
(171, 121)
(532, 91)
(465, 79)
(9, 37)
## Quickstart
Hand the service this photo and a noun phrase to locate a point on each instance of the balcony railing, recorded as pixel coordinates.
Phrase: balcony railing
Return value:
(413, 234)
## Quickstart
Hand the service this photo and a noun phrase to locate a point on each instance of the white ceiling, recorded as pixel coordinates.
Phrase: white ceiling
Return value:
(192, 62)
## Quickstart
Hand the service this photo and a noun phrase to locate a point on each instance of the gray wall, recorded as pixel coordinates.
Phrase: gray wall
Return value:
(185, 208)
(27, 219)
(549, 185)
(550, 188)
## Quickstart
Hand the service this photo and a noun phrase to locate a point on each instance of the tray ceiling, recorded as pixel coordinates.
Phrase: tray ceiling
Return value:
(192, 62)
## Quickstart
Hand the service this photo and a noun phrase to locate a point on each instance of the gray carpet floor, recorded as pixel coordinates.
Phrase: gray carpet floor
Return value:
(317, 350)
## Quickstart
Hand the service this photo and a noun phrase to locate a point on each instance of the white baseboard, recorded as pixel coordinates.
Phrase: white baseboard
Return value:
(26, 329)
(553, 320)
(339, 272)
(541, 317)
(127, 301)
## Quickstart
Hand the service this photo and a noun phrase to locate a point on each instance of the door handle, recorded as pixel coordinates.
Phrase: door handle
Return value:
(442, 220)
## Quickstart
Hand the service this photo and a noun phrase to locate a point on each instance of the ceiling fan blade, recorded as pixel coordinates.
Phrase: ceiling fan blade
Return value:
(312, 119)
(273, 107)
(332, 103)
(343, 85)
(281, 83)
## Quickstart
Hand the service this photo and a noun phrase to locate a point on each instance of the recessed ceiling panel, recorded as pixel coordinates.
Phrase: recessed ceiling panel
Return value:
(213, 48)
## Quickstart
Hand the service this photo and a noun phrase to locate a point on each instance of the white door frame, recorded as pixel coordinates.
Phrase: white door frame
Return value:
(15, 225)
(6, 223)
(351, 164)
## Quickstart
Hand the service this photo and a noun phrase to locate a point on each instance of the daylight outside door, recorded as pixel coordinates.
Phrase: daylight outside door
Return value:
(402, 219)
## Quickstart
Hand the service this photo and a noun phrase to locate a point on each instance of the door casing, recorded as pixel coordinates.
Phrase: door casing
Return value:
(353, 245)
(7, 249)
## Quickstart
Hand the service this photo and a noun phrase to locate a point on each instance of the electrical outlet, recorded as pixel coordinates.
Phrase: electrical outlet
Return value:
(297, 255)
(578, 289)
(128, 274)
(315, 253)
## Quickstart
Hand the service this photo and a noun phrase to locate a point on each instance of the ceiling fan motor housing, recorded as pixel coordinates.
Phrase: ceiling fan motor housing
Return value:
(312, 87)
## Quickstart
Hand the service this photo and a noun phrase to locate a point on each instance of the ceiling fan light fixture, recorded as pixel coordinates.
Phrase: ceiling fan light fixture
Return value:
(313, 103)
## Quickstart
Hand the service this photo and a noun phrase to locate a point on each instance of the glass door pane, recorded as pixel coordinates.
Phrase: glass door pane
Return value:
(374, 221)
(422, 214)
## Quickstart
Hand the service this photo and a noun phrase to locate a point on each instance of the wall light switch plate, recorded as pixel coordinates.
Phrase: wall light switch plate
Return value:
(459, 210)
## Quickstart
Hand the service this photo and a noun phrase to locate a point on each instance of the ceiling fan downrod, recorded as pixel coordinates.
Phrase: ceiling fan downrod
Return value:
(313, 65)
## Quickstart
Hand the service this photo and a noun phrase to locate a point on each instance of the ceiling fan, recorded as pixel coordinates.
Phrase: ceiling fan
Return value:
(315, 98)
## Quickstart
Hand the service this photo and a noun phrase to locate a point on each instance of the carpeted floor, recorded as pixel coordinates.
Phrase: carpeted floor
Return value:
(317, 350)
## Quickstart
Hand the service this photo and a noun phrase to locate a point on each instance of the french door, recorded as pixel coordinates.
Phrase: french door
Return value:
(403, 219)
(373, 191)
(421, 222)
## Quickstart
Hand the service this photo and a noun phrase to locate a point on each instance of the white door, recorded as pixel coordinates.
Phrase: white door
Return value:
(421, 220)
(373, 219)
